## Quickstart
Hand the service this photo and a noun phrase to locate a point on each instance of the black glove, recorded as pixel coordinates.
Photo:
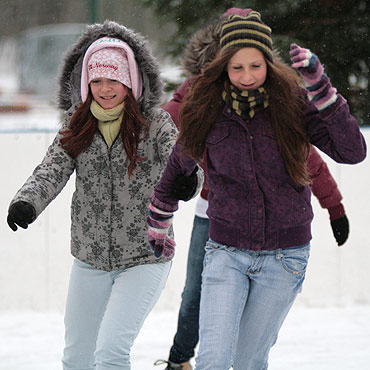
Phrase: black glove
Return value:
(185, 186)
(340, 228)
(22, 214)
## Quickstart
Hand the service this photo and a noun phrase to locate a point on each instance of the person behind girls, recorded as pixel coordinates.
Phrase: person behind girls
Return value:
(117, 139)
(251, 116)
(200, 51)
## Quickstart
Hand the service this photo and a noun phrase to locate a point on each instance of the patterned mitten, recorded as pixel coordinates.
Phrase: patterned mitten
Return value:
(319, 89)
(22, 214)
(159, 223)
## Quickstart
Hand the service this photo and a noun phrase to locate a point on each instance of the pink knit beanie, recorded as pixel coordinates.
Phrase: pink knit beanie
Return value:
(110, 58)
(109, 63)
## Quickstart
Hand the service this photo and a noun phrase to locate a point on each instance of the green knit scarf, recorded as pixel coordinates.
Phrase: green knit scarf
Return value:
(247, 102)
(109, 120)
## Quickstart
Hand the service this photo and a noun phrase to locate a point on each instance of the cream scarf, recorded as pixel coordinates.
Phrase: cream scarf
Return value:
(109, 120)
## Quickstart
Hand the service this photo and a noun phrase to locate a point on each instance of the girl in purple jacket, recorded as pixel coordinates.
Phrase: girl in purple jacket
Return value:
(255, 122)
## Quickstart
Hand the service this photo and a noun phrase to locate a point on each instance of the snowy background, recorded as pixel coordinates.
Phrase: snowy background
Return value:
(327, 329)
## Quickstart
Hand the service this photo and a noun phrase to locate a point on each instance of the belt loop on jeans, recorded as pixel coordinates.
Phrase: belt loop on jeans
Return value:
(279, 255)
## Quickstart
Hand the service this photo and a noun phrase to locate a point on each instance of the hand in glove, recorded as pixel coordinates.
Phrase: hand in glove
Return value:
(185, 186)
(319, 88)
(22, 214)
(340, 228)
(159, 223)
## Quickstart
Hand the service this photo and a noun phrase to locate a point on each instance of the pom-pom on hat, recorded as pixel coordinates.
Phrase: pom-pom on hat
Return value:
(249, 31)
(239, 11)
(109, 63)
(108, 43)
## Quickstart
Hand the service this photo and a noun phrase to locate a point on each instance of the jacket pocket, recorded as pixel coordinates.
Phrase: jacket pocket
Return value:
(291, 206)
(217, 135)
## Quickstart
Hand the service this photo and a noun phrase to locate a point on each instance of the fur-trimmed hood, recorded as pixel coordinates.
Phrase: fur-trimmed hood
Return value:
(205, 43)
(69, 92)
(202, 47)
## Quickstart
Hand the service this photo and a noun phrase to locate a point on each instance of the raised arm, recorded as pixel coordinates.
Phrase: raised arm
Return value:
(329, 123)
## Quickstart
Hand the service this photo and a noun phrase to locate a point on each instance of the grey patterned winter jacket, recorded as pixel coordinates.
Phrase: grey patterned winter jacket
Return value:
(108, 213)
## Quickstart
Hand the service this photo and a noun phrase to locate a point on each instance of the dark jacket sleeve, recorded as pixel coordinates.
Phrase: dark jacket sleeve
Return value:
(178, 164)
(173, 108)
(336, 132)
(323, 186)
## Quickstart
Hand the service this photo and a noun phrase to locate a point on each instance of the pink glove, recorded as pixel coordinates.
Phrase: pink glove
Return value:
(317, 83)
(159, 222)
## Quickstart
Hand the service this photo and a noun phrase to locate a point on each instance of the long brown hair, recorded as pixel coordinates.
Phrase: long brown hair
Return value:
(286, 100)
(83, 126)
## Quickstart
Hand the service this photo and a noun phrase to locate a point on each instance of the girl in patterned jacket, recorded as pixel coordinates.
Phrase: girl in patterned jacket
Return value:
(248, 112)
(117, 139)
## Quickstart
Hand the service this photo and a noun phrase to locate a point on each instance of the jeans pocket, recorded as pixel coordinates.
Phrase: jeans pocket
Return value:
(210, 247)
(295, 260)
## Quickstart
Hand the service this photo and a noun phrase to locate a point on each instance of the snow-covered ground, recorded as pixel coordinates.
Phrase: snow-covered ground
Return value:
(311, 339)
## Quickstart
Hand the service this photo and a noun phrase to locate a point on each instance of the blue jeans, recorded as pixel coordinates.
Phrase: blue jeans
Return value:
(105, 312)
(187, 336)
(246, 296)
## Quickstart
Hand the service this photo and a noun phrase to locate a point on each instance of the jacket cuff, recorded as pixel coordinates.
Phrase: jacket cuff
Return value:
(162, 205)
(336, 212)
(338, 104)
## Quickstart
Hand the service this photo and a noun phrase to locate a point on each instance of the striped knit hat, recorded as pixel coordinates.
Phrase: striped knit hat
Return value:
(248, 31)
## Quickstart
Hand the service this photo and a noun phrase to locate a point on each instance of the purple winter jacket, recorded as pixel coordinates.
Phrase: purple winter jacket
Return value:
(253, 202)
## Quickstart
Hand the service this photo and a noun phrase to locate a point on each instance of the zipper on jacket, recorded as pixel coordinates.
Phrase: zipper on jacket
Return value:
(109, 156)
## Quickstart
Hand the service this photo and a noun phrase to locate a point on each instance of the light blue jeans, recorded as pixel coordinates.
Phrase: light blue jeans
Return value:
(105, 312)
(245, 298)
